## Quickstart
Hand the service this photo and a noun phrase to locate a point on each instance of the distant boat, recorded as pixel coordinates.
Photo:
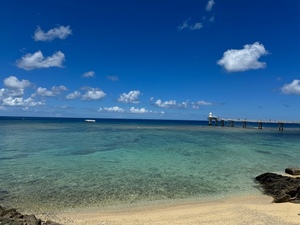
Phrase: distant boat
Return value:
(90, 121)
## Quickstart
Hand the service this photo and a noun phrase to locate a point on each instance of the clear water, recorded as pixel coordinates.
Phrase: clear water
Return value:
(55, 164)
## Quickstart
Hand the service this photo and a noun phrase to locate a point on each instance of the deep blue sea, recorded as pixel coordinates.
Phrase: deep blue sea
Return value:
(49, 164)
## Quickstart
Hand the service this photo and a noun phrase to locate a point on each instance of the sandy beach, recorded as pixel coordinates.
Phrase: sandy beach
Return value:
(241, 210)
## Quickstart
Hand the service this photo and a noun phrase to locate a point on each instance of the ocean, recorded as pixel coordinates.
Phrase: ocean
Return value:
(56, 164)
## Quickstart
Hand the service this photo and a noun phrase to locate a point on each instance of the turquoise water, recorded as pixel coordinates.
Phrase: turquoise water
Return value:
(54, 164)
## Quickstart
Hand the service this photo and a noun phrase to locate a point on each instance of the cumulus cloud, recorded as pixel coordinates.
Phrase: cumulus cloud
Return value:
(74, 95)
(14, 82)
(131, 97)
(93, 94)
(186, 25)
(2, 92)
(61, 32)
(89, 74)
(14, 88)
(19, 101)
(38, 61)
(112, 109)
(54, 91)
(235, 60)
(209, 5)
(13, 93)
(139, 111)
(292, 88)
(165, 104)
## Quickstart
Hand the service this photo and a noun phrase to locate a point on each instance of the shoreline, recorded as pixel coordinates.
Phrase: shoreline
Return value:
(251, 209)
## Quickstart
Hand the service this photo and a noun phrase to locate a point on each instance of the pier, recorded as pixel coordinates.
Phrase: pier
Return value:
(214, 120)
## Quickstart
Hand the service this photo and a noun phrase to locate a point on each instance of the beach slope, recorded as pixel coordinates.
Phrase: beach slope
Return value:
(242, 210)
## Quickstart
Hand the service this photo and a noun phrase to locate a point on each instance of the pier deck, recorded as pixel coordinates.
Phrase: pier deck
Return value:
(230, 122)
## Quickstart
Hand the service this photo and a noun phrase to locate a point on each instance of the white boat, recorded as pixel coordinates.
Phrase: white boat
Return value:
(90, 121)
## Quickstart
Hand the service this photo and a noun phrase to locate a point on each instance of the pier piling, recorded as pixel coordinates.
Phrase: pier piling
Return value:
(222, 123)
(231, 123)
(280, 126)
(210, 118)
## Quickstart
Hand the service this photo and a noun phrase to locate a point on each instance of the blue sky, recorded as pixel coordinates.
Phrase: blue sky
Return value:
(150, 59)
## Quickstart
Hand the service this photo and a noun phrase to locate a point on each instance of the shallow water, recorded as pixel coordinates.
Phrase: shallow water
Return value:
(49, 164)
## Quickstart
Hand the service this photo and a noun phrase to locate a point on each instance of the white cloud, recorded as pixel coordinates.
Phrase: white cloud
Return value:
(180, 105)
(73, 95)
(2, 92)
(93, 94)
(196, 26)
(185, 25)
(14, 88)
(131, 97)
(113, 78)
(59, 88)
(139, 111)
(196, 105)
(183, 104)
(89, 74)
(210, 5)
(61, 32)
(292, 88)
(14, 92)
(10, 101)
(38, 61)
(19, 101)
(202, 102)
(244, 59)
(112, 109)
(50, 93)
(14, 82)
(44, 92)
(165, 104)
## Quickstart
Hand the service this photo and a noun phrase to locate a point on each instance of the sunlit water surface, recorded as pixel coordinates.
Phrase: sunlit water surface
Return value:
(56, 164)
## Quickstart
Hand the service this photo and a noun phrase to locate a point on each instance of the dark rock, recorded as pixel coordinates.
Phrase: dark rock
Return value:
(12, 217)
(30, 217)
(281, 188)
(282, 198)
(1, 210)
(49, 222)
(293, 171)
(9, 213)
(5, 221)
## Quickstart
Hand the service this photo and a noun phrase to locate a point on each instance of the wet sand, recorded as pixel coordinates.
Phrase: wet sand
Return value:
(242, 210)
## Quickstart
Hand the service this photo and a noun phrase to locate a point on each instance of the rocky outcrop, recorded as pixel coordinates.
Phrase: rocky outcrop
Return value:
(12, 217)
(293, 171)
(281, 188)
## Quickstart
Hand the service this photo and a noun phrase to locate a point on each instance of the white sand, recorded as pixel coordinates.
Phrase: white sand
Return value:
(242, 210)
